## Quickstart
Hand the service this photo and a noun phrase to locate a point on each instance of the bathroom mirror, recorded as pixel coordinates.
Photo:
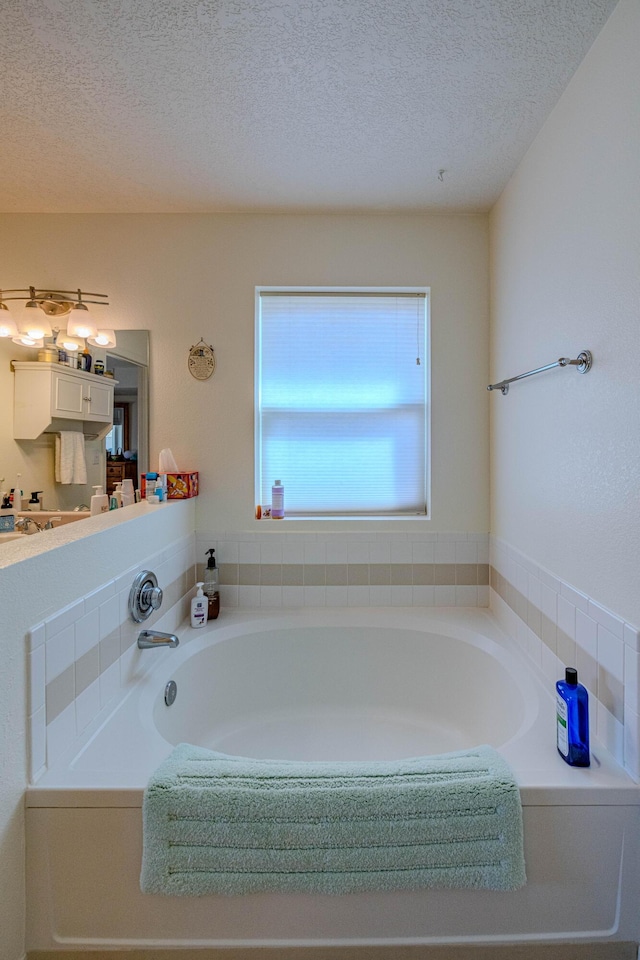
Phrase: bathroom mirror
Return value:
(33, 460)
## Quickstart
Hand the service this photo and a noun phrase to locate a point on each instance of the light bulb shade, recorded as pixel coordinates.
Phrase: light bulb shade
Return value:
(26, 341)
(33, 323)
(8, 325)
(70, 344)
(104, 339)
(80, 322)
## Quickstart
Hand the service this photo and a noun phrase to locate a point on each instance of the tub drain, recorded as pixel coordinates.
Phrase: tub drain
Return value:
(170, 692)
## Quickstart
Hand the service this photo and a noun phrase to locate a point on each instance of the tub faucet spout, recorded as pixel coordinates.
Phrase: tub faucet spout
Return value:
(148, 639)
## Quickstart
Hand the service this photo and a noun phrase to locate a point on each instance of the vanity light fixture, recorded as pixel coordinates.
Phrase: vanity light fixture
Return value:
(104, 338)
(8, 326)
(34, 324)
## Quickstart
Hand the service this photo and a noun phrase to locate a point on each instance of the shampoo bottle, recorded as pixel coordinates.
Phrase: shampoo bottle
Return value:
(572, 720)
(199, 608)
(277, 501)
(212, 587)
(99, 502)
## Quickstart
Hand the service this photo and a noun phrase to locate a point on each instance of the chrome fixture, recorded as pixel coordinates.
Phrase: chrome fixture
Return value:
(582, 363)
(145, 596)
(149, 639)
(29, 325)
(22, 523)
(170, 692)
(50, 522)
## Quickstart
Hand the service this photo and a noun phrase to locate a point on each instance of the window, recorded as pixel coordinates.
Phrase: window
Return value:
(341, 397)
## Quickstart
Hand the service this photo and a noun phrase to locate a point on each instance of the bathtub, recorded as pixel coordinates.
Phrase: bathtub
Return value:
(332, 685)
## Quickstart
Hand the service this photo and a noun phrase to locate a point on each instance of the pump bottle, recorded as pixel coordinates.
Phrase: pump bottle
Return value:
(99, 501)
(199, 608)
(572, 720)
(211, 586)
(7, 515)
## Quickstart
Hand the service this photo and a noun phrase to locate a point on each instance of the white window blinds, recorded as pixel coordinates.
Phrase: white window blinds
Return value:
(341, 401)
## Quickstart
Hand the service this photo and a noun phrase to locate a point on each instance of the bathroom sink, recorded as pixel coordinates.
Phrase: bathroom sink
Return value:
(66, 516)
(5, 537)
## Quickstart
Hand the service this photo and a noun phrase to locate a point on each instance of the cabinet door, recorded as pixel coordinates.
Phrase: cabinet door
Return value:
(100, 404)
(68, 397)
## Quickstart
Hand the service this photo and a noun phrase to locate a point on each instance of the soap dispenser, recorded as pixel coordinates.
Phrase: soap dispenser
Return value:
(211, 586)
(99, 502)
(35, 503)
(7, 515)
(199, 608)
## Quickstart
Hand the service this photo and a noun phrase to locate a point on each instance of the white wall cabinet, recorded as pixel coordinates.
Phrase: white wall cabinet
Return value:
(49, 398)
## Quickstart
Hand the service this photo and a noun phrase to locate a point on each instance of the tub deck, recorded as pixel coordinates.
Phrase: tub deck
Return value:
(84, 833)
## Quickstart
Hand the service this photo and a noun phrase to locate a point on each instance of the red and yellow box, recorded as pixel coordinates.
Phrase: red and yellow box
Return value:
(182, 486)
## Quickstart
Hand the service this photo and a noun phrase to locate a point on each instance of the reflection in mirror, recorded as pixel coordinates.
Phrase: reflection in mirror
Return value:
(30, 463)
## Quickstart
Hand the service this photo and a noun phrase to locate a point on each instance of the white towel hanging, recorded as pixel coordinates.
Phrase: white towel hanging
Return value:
(70, 463)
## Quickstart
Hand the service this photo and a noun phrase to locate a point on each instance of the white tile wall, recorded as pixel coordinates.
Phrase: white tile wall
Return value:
(613, 644)
(273, 546)
(56, 644)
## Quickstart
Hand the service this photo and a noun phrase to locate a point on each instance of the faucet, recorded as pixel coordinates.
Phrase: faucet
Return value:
(22, 523)
(148, 639)
(50, 522)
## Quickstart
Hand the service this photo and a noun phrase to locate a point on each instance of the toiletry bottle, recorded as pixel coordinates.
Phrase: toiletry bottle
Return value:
(277, 501)
(572, 720)
(86, 360)
(199, 608)
(159, 492)
(16, 493)
(212, 587)
(7, 515)
(35, 503)
(99, 502)
(128, 493)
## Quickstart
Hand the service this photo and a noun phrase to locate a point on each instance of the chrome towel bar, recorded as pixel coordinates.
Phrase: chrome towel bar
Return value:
(582, 363)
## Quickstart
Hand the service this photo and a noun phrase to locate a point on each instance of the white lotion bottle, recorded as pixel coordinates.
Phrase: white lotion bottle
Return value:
(199, 606)
(99, 502)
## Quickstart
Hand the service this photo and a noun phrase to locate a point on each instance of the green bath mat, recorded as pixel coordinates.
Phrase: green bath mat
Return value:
(214, 823)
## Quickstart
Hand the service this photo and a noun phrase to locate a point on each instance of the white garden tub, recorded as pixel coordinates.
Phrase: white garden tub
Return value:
(332, 685)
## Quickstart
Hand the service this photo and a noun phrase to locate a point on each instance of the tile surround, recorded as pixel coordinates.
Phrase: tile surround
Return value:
(83, 657)
(274, 568)
(558, 626)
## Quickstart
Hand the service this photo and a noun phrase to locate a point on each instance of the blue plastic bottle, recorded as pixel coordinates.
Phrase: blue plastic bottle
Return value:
(572, 720)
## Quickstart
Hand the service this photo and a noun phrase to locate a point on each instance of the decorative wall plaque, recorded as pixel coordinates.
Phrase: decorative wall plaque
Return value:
(201, 361)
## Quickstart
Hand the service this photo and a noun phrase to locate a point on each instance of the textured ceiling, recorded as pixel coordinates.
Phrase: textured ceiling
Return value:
(205, 105)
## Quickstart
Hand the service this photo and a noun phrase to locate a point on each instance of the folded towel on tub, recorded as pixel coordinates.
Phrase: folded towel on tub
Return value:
(70, 462)
(214, 823)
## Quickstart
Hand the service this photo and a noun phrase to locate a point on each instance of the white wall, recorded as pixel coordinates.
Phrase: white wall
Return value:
(186, 277)
(565, 249)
